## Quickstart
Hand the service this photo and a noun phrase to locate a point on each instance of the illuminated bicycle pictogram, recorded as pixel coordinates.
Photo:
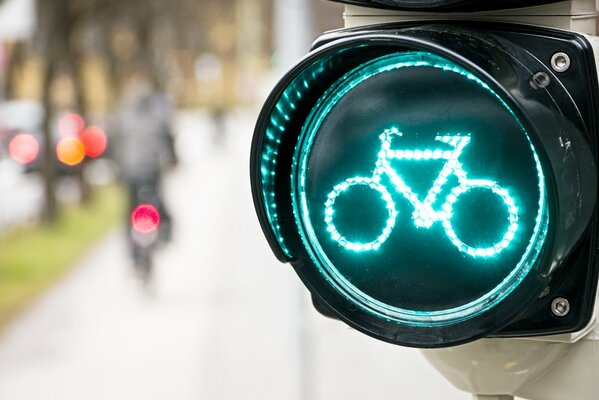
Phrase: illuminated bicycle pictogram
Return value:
(424, 216)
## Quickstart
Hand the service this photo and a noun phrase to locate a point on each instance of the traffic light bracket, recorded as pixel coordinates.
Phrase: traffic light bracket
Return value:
(573, 15)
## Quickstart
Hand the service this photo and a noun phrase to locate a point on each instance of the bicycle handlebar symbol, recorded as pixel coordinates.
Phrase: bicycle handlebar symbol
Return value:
(424, 215)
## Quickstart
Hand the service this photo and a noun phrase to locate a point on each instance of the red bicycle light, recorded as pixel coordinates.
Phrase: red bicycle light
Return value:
(24, 148)
(145, 218)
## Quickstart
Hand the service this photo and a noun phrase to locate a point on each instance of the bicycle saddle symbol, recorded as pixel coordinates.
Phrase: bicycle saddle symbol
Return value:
(424, 216)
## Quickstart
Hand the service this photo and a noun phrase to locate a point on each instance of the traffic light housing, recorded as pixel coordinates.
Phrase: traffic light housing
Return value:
(433, 183)
(448, 5)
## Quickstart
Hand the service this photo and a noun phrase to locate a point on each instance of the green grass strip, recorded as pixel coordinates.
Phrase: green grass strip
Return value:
(32, 258)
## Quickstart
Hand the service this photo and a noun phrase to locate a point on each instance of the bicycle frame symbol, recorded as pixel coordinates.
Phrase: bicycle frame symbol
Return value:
(424, 216)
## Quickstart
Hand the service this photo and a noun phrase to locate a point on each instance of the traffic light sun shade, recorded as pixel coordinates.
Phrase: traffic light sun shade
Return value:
(411, 181)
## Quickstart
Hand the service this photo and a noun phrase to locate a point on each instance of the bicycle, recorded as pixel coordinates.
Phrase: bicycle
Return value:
(424, 215)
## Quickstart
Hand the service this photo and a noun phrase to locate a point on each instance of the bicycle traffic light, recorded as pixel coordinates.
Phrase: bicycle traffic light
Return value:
(435, 182)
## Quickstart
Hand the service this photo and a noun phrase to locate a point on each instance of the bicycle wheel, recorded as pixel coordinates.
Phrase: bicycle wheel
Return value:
(508, 202)
(330, 212)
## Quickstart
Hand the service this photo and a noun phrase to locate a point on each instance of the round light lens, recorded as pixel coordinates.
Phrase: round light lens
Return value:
(418, 192)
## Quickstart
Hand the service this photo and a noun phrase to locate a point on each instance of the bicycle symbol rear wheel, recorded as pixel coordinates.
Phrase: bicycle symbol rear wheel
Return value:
(508, 201)
(330, 211)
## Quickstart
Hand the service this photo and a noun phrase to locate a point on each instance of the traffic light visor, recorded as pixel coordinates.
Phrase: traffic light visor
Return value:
(417, 192)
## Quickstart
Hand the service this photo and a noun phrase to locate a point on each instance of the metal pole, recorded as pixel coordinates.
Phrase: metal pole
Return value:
(293, 35)
(293, 31)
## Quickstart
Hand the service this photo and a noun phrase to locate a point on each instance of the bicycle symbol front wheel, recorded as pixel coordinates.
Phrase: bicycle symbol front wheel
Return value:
(330, 212)
(508, 201)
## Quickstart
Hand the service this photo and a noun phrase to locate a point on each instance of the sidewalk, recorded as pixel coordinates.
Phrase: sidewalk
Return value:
(228, 321)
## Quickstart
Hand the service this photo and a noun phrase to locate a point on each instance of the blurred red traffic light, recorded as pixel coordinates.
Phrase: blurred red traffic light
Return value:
(95, 141)
(70, 125)
(145, 218)
(24, 148)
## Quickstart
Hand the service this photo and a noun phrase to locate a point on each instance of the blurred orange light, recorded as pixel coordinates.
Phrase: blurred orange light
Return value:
(145, 218)
(95, 141)
(24, 148)
(70, 125)
(70, 151)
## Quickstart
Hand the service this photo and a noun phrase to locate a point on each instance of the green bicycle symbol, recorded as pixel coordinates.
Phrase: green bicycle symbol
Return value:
(424, 216)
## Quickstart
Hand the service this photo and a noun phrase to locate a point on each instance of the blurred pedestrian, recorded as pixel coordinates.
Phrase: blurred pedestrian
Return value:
(218, 117)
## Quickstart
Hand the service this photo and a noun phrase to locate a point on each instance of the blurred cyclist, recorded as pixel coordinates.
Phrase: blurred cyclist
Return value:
(143, 147)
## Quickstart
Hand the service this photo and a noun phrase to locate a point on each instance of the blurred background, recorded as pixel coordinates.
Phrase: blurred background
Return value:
(132, 265)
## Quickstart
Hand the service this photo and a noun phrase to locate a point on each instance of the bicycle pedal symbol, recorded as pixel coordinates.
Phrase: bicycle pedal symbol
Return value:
(424, 215)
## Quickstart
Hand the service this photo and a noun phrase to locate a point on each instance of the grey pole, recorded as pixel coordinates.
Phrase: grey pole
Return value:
(293, 31)
(293, 36)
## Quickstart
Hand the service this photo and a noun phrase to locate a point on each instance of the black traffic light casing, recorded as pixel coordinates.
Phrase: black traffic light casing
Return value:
(559, 109)
(448, 5)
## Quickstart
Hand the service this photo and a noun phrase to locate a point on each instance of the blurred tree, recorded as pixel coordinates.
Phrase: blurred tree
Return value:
(49, 13)
(166, 39)
(57, 20)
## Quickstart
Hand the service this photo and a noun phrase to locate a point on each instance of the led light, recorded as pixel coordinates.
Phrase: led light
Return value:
(145, 218)
(275, 131)
(424, 215)
(508, 236)
(329, 214)
(425, 235)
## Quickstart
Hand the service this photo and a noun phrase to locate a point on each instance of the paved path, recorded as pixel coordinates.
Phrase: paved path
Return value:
(228, 321)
